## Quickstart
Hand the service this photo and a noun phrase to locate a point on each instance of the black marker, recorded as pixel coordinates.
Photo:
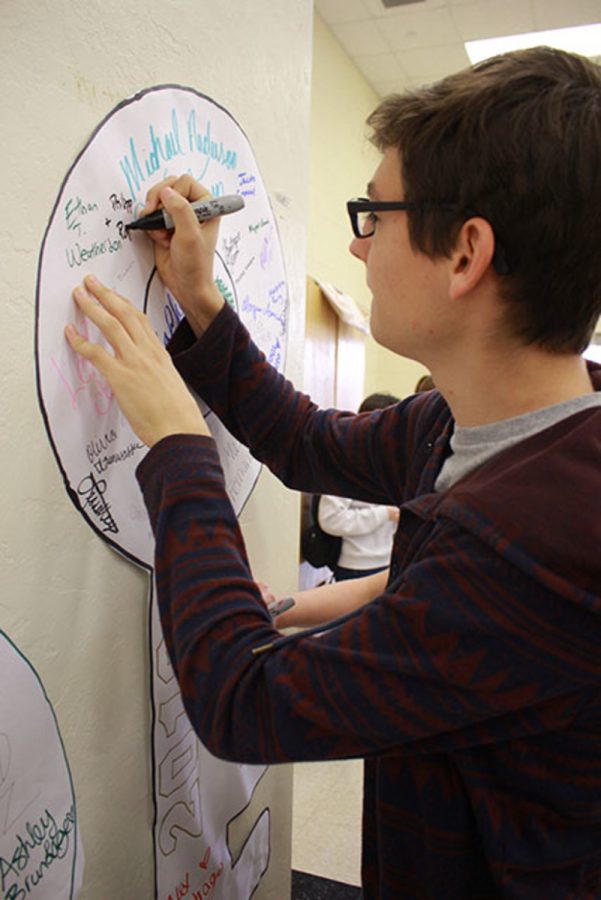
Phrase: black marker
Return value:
(280, 606)
(203, 209)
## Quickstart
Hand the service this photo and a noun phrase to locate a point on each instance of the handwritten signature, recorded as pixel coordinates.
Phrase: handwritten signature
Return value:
(87, 379)
(183, 888)
(45, 834)
(92, 492)
(231, 249)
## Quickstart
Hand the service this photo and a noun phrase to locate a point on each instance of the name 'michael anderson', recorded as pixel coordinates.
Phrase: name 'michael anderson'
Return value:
(52, 839)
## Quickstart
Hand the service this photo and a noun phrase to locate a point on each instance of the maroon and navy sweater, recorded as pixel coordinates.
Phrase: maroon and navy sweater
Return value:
(471, 687)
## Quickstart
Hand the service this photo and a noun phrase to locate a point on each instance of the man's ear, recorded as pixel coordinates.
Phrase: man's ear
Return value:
(472, 256)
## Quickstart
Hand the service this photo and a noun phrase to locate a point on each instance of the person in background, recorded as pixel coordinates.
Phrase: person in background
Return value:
(471, 685)
(320, 605)
(425, 383)
(366, 529)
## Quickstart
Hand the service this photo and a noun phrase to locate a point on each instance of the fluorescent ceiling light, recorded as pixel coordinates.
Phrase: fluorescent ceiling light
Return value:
(583, 39)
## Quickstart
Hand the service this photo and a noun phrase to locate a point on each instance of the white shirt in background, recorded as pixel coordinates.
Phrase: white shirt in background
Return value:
(366, 531)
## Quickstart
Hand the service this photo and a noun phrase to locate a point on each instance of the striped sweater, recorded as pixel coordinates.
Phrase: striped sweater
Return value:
(471, 687)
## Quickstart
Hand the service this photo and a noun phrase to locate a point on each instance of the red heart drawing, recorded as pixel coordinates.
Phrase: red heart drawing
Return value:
(204, 863)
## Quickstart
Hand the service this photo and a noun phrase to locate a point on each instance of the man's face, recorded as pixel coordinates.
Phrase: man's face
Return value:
(407, 287)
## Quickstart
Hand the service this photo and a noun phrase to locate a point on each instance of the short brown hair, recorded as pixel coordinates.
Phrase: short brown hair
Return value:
(517, 139)
(378, 401)
(425, 383)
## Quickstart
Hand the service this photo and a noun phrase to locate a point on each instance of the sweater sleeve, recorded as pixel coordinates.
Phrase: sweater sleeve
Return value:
(434, 663)
(318, 451)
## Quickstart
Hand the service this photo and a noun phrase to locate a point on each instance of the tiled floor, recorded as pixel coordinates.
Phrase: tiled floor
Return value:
(326, 819)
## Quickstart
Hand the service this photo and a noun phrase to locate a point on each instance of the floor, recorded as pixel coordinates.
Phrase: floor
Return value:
(326, 825)
(312, 887)
(326, 816)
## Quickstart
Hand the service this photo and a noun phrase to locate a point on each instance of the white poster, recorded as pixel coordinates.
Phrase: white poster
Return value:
(160, 132)
(166, 130)
(40, 850)
(197, 797)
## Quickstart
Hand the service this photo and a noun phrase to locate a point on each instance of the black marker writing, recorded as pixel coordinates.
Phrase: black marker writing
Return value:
(108, 459)
(99, 444)
(121, 202)
(46, 834)
(93, 492)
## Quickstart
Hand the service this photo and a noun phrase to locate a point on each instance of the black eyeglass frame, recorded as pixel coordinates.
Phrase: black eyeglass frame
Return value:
(364, 205)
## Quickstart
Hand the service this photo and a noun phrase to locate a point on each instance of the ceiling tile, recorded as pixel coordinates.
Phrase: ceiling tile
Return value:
(382, 88)
(412, 27)
(377, 8)
(430, 63)
(560, 14)
(361, 37)
(426, 38)
(490, 18)
(380, 67)
(334, 12)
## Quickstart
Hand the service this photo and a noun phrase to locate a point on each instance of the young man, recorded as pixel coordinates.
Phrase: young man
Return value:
(472, 685)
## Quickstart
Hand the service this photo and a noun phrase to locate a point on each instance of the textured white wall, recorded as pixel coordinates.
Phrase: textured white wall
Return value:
(74, 607)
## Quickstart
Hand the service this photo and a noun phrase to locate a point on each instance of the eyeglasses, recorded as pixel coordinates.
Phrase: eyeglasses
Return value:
(361, 211)
(363, 222)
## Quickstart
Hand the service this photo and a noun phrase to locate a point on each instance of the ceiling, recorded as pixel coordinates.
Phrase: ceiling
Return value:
(423, 41)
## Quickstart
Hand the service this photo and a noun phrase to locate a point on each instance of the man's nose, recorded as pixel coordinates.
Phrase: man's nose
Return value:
(359, 247)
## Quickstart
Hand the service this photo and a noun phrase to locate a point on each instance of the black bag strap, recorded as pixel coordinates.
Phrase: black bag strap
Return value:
(315, 507)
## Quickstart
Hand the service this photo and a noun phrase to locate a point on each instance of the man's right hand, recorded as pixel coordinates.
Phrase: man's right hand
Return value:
(184, 257)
